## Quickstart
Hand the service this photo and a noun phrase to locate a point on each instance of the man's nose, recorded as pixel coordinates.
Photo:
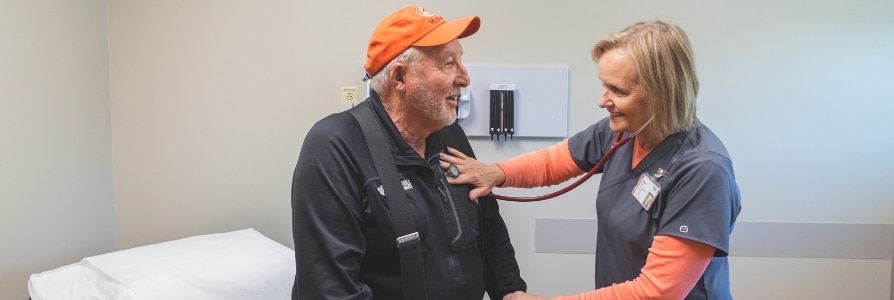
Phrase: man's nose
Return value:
(462, 79)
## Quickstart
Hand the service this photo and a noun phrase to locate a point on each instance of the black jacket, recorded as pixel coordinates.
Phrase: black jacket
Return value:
(344, 240)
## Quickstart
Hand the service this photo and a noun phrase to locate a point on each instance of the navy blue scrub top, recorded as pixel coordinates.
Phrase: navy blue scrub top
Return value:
(698, 200)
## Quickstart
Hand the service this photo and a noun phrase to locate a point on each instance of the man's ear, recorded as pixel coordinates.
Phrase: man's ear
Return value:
(398, 75)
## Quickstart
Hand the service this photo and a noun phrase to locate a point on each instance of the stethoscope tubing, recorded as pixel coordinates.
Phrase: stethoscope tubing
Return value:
(617, 144)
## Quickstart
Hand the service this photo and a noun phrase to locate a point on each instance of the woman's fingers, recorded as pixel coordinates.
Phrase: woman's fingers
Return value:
(457, 153)
(478, 192)
(470, 170)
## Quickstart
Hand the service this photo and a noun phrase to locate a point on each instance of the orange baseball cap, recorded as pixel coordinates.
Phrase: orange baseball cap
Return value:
(412, 26)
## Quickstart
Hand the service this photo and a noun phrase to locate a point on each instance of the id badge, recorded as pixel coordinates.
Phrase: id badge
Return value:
(646, 190)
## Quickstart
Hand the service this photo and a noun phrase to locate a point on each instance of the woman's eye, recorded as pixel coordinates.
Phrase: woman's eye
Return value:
(617, 91)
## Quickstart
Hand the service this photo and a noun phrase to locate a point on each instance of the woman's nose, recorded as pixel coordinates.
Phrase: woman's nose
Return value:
(604, 100)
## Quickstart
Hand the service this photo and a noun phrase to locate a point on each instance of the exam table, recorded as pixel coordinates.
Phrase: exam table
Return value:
(243, 264)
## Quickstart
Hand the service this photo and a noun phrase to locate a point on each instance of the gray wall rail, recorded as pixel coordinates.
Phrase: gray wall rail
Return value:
(749, 239)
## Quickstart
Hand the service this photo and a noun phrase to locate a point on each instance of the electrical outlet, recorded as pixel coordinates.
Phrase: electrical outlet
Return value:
(349, 97)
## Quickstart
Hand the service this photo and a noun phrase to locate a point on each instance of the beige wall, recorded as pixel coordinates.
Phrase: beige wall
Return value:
(206, 117)
(55, 152)
(209, 101)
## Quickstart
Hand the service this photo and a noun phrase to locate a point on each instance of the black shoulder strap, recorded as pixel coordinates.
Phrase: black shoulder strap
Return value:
(408, 243)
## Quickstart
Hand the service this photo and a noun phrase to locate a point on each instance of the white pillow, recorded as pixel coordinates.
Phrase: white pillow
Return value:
(241, 264)
(75, 281)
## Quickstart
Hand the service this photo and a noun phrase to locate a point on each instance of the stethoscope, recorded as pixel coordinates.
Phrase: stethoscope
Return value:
(619, 141)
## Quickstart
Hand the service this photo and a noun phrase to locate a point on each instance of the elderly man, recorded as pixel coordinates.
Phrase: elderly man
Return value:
(347, 243)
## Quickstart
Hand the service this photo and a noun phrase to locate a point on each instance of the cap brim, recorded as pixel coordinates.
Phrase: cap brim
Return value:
(449, 31)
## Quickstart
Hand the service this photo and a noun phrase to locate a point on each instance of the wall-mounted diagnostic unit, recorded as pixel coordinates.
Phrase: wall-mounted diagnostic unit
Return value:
(506, 102)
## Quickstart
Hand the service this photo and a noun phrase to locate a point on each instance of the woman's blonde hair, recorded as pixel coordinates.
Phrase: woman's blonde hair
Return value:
(665, 68)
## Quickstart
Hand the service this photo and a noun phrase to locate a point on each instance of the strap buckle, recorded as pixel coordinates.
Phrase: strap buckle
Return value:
(407, 238)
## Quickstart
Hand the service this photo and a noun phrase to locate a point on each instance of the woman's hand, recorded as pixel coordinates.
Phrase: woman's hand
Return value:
(523, 296)
(483, 176)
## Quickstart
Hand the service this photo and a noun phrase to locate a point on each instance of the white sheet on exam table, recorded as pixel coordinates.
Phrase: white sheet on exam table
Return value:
(241, 264)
